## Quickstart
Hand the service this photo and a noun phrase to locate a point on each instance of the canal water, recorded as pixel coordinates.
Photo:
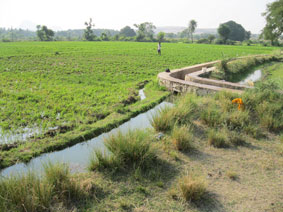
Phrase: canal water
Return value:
(253, 77)
(77, 156)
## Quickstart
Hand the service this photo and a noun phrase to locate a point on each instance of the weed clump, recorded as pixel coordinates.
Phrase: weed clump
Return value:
(217, 139)
(132, 149)
(232, 175)
(236, 138)
(192, 188)
(182, 138)
(162, 121)
(185, 110)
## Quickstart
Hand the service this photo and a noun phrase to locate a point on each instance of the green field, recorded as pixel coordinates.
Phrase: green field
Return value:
(86, 81)
(274, 72)
(86, 86)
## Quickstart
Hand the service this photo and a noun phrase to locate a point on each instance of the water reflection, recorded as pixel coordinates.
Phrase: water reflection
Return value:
(255, 76)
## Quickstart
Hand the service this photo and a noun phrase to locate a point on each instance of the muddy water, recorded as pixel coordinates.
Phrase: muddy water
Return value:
(141, 94)
(77, 156)
(20, 135)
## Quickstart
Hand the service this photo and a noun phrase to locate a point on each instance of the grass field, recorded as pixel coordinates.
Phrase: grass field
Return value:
(86, 81)
(74, 85)
(274, 72)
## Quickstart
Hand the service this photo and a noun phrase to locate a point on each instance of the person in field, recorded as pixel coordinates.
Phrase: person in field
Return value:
(159, 48)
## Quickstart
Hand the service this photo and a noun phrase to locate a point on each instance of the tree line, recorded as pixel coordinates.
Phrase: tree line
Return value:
(227, 33)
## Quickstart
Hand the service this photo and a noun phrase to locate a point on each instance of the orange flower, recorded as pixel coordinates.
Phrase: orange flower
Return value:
(238, 101)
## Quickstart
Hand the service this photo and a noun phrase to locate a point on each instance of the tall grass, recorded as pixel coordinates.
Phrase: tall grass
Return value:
(186, 109)
(162, 121)
(25, 193)
(133, 149)
(218, 139)
(182, 138)
(211, 115)
(192, 188)
(184, 112)
(265, 103)
(29, 192)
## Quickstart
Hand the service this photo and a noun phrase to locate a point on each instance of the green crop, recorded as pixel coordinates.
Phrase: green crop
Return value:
(51, 84)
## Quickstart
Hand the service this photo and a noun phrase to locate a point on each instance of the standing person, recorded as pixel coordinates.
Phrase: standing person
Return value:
(159, 48)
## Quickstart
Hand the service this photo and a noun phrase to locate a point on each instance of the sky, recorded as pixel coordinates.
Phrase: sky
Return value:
(115, 14)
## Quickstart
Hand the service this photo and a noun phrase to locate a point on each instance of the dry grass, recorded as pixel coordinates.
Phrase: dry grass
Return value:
(193, 188)
(218, 139)
(182, 138)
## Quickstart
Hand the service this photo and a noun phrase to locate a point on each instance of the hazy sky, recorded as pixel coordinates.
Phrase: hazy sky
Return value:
(115, 14)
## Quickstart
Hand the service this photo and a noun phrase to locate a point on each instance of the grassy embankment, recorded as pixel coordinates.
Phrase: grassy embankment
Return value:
(213, 157)
(84, 88)
(274, 72)
(235, 70)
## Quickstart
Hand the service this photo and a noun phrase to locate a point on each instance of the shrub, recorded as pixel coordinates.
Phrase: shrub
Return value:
(182, 138)
(219, 41)
(203, 40)
(192, 188)
(217, 138)
(132, 149)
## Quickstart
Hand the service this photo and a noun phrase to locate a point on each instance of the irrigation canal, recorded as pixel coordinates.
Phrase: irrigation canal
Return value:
(78, 156)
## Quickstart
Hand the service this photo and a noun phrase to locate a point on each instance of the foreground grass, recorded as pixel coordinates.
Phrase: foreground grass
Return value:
(243, 176)
(56, 190)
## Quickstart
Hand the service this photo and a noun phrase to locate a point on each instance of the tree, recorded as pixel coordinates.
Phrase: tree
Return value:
(44, 34)
(170, 35)
(127, 32)
(116, 37)
(184, 33)
(104, 36)
(145, 30)
(211, 38)
(248, 35)
(160, 36)
(237, 31)
(224, 31)
(274, 21)
(191, 28)
(88, 32)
